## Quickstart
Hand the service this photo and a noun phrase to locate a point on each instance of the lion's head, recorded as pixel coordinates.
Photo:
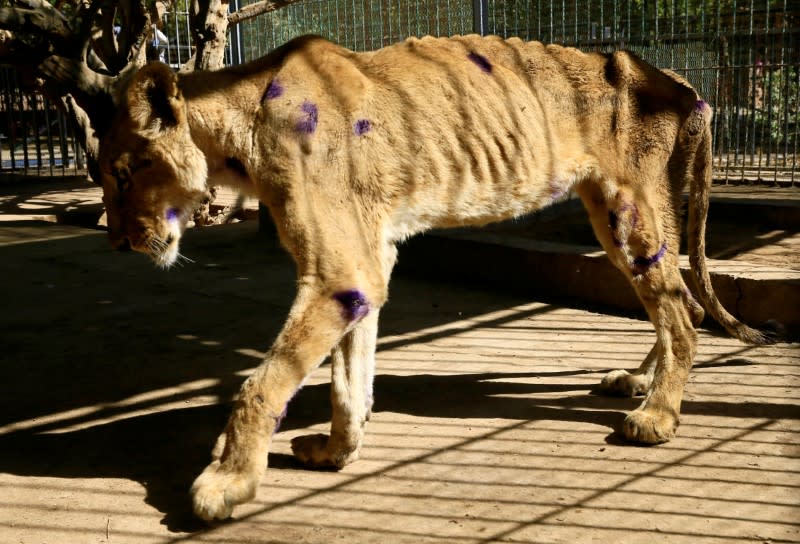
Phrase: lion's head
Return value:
(153, 173)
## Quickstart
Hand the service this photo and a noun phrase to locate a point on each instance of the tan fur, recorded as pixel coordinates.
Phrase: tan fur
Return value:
(352, 153)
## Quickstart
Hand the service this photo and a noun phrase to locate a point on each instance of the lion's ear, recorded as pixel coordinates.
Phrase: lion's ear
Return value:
(154, 100)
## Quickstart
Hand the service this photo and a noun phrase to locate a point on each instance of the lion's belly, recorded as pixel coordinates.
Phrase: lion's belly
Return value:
(468, 198)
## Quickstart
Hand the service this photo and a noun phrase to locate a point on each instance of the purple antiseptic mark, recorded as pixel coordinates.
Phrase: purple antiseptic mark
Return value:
(354, 304)
(642, 264)
(308, 123)
(173, 214)
(274, 90)
(700, 105)
(482, 62)
(280, 417)
(361, 127)
(557, 190)
(634, 209)
(613, 223)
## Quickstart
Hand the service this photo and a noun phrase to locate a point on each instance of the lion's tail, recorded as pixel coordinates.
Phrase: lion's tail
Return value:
(699, 127)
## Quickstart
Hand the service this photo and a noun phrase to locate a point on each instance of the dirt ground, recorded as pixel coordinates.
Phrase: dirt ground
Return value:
(116, 377)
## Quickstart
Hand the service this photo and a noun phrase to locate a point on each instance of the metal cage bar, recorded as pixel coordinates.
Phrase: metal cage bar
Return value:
(741, 55)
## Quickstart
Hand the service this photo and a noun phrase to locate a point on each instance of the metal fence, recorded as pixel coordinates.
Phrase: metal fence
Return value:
(34, 135)
(742, 55)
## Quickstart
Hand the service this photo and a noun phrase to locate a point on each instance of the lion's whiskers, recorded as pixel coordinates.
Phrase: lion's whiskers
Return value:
(158, 247)
(181, 258)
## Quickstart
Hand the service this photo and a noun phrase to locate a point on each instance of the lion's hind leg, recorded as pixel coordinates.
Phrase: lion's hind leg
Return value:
(624, 383)
(610, 226)
(643, 244)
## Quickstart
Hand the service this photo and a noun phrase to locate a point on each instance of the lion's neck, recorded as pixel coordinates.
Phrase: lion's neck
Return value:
(219, 106)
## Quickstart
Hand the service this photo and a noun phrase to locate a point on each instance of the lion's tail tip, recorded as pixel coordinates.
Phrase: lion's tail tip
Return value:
(771, 332)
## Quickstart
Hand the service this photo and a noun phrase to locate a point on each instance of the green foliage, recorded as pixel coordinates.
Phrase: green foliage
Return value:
(777, 119)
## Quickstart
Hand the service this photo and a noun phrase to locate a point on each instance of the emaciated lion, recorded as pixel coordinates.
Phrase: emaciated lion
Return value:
(352, 153)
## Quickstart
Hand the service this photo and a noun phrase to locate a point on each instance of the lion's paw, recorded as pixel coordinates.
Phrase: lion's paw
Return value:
(649, 426)
(217, 490)
(314, 450)
(622, 383)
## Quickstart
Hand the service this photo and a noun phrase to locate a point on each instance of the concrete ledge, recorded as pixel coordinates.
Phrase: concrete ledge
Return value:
(754, 293)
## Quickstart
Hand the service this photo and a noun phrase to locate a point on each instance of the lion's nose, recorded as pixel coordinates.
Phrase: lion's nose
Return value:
(123, 244)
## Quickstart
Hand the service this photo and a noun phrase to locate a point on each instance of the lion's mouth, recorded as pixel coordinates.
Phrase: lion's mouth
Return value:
(167, 254)
(163, 251)
(161, 245)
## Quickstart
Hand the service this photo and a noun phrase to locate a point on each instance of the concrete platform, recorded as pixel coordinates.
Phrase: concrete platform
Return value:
(753, 248)
(756, 292)
(115, 378)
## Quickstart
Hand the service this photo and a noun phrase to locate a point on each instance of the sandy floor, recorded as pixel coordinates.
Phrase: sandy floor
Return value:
(116, 377)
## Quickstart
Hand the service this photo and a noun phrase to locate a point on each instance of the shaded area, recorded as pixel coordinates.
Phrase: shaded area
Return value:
(112, 369)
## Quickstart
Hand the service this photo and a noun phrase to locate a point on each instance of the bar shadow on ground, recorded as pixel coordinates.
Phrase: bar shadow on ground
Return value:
(119, 329)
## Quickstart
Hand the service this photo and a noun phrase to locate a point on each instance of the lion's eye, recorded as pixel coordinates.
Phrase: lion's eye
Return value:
(122, 176)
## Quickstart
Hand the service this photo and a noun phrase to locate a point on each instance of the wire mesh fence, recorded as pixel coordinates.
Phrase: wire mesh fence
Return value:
(362, 25)
(741, 55)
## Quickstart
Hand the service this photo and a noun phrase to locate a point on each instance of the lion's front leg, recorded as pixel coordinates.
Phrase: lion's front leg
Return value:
(352, 374)
(316, 322)
(352, 371)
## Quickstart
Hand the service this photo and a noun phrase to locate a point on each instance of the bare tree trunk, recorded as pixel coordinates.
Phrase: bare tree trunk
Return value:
(209, 21)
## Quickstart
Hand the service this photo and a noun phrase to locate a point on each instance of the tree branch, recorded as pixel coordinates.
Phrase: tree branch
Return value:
(37, 22)
(134, 36)
(105, 44)
(258, 8)
(23, 52)
(85, 133)
(46, 8)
